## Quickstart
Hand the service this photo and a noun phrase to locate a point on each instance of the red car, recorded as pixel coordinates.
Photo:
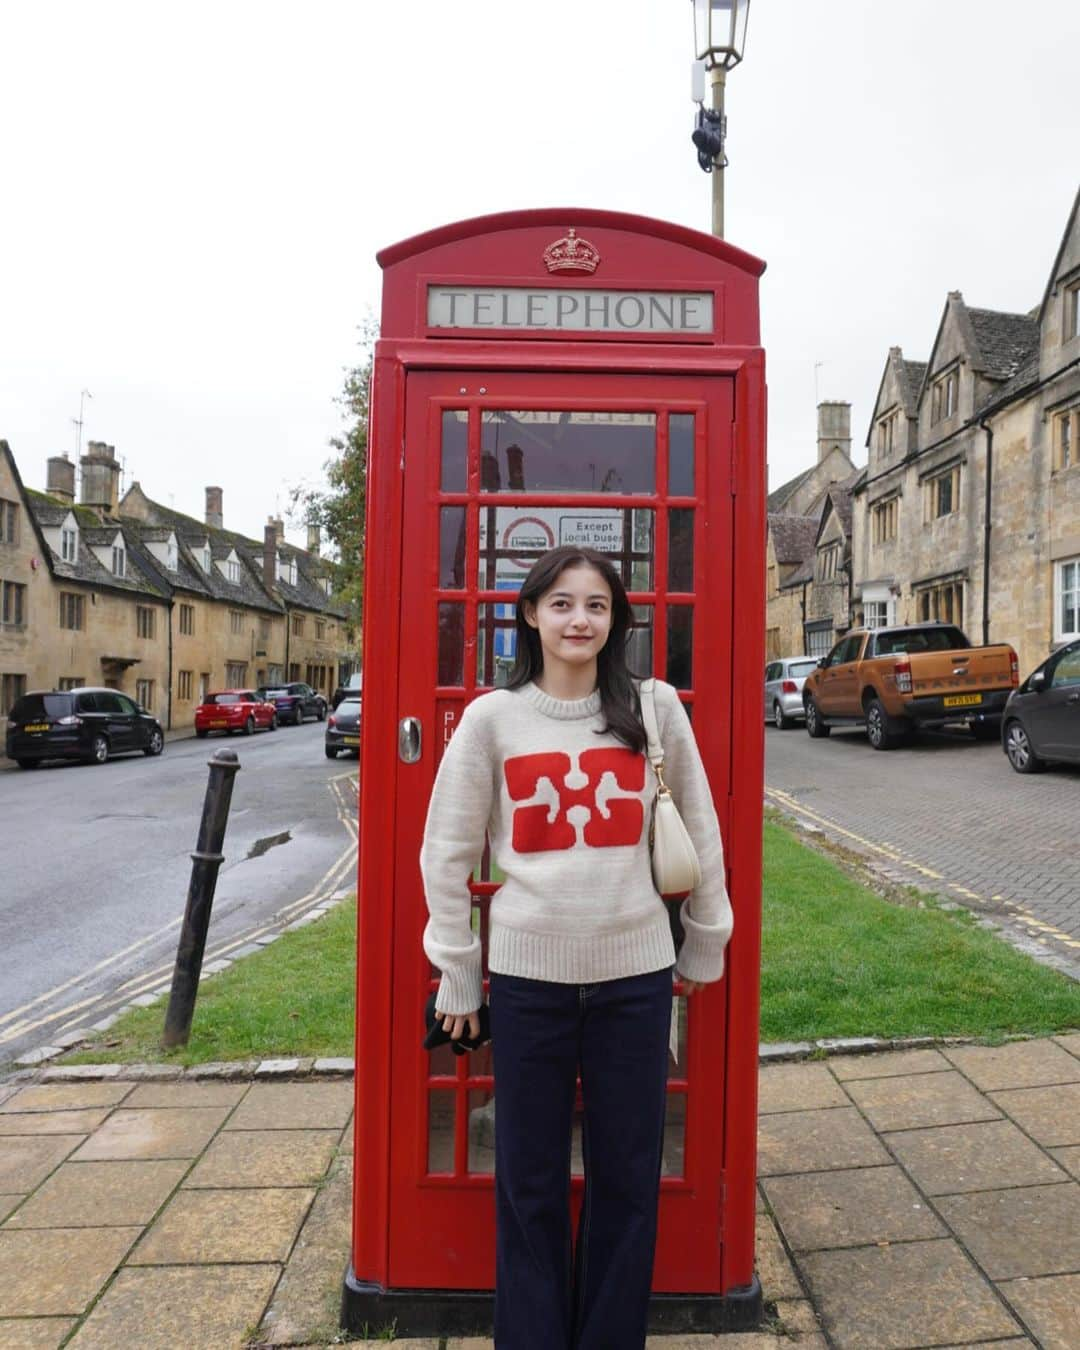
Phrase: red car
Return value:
(234, 710)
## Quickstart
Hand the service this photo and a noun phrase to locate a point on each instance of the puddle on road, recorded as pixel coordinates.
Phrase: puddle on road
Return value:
(261, 846)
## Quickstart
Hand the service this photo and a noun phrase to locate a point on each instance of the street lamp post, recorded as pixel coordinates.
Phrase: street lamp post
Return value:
(719, 41)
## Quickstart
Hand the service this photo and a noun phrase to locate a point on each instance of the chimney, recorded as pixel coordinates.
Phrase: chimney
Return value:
(279, 527)
(60, 478)
(214, 514)
(833, 429)
(314, 539)
(270, 556)
(100, 478)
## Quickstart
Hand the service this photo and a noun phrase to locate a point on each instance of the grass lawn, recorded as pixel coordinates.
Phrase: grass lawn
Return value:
(838, 960)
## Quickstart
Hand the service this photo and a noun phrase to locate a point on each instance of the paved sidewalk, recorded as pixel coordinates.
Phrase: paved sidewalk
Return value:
(914, 1198)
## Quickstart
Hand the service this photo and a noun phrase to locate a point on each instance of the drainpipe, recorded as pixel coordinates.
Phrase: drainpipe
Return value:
(286, 671)
(986, 532)
(168, 706)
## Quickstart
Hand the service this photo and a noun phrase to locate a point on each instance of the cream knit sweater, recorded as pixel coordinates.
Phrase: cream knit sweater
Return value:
(567, 815)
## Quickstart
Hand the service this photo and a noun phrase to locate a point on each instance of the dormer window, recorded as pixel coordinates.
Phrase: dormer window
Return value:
(943, 396)
(886, 434)
(286, 570)
(1072, 312)
(232, 570)
(327, 585)
(172, 557)
(69, 545)
(119, 560)
(207, 561)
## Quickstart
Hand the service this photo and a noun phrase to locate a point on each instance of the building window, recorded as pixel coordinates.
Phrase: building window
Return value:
(1067, 438)
(236, 620)
(119, 561)
(235, 674)
(274, 675)
(883, 517)
(232, 570)
(187, 620)
(298, 625)
(71, 610)
(207, 561)
(69, 545)
(875, 613)
(818, 641)
(12, 688)
(294, 672)
(943, 494)
(144, 694)
(1072, 312)
(886, 434)
(70, 682)
(185, 683)
(9, 522)
(13, 604)
(144, 621)
(1067, 600)
(264, 629)
(944, 603)
(829, 562)
(320, 628)
(943, 397)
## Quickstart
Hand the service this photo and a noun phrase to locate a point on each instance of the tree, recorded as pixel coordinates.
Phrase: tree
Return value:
(339, 507)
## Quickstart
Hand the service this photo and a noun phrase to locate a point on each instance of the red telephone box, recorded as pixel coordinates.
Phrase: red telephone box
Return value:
(548, 377)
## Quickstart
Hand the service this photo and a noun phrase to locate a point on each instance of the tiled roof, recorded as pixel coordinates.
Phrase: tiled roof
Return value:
(1005, 340)
(139, 573)
(1028, 374)
(915, 373)
(793, 536)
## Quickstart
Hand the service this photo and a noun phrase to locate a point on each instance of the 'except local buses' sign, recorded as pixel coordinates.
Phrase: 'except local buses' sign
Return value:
(577, 311)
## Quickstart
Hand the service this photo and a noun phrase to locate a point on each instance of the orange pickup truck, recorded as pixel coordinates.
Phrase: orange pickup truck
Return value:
(893, 680)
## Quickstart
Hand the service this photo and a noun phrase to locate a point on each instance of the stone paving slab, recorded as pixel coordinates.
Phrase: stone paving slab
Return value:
(197, 1307)
(1019, 1065)
(34, 1333)
(1050, 1306)
(1031, 1230)
(294, 1106)
(246, 1158)
(65, 1096)
(53, 1122)
(1069, 1158)
(178, 1132)
(846, 1209)
(924, 1099)
(8, 1203)
(890, 1064)
(57, 1270)
(811, 1141)
(187, 1094)
(902, 1295)
(989, 1154)
(101, 1194)
(1070, 1042)
(772, 1263)
(204, 1227)
(798, 1087)
(26, 1160)
(1051, 1115)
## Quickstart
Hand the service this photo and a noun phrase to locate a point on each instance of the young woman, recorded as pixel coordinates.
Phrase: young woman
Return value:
(580, 955)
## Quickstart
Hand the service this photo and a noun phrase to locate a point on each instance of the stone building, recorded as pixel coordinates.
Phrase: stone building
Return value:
(970, 510)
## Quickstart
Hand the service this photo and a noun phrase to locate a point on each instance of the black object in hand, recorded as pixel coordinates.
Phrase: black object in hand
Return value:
(437, 1034)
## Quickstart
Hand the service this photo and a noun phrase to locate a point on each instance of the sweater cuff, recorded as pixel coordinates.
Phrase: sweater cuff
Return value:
(461, 989)
(701, 956)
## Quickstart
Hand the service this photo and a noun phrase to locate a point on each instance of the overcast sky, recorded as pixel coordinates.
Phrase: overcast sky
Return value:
(191, 196)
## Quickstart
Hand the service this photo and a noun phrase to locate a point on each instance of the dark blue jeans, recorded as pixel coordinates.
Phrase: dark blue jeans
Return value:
(616, 1035)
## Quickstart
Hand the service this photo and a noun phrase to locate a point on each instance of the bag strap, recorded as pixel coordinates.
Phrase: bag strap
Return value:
(655, 750)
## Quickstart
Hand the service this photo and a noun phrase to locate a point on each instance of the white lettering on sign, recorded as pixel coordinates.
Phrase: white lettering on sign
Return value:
(578, 311)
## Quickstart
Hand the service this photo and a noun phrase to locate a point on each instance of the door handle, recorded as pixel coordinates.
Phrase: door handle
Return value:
(409, 740)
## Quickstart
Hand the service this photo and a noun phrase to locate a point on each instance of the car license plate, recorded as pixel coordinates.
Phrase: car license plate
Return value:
(215, 726)
(962, 701)
(36, 726)
(351, 740)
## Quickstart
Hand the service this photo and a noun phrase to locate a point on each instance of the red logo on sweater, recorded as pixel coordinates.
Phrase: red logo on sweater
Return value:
(555, 789)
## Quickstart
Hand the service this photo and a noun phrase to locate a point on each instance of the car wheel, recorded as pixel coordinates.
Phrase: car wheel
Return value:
(298, 718)
(878, 731)
(780, 718)
(986, 731)
(1018, 748)
(155, 744)
(331, 753)
(202, 735)
(249, 725)
(99, 750)
(28, 763)
(815, 727)
(320, 712)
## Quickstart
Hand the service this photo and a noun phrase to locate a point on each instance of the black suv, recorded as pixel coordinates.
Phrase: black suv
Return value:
(294, 701)
(88, 724)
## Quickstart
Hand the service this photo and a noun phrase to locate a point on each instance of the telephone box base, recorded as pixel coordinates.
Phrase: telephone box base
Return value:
(468, 1312)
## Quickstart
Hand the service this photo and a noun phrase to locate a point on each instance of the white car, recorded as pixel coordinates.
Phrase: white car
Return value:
(783, 690)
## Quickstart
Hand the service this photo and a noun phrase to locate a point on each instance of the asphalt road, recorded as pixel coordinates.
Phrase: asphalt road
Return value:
(949, 815)
(96, 863)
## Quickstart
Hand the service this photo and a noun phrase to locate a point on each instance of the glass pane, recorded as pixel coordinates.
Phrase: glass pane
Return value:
(680, 550)
(680, 638)
(513, 537)
(441, 1131)
(496, 643)
(455, 450)
(442, 1062)
(677, 1065)
(555, 451)
(451, 642)
(452, 547)
(639, 645)
(681, 455)
(674, 1156)
(482, 1131)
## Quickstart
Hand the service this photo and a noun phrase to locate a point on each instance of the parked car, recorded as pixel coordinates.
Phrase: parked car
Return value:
(232, 710)
(294, 701)
(784, 682)
(352, 686)
(1042, 718)
(894, 680)
(343, 728)
(86, 723)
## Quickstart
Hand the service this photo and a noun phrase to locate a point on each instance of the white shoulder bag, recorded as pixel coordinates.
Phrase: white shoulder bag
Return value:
(675, 865)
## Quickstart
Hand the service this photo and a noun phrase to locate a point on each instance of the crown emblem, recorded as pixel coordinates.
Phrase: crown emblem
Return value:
(571, 254)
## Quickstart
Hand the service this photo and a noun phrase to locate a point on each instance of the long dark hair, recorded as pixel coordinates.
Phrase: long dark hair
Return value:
(619, 700)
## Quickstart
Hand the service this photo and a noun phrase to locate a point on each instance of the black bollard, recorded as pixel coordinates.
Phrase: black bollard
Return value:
(205, 862)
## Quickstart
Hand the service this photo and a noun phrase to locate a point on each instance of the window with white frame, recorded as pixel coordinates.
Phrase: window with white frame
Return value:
(942, 494)
(1067, 599)
(232, 570)
(818, 641)
(875, 613)
(119, 561)
(207, 559)
(70, 682)
(69, 545)
(1066, 438)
